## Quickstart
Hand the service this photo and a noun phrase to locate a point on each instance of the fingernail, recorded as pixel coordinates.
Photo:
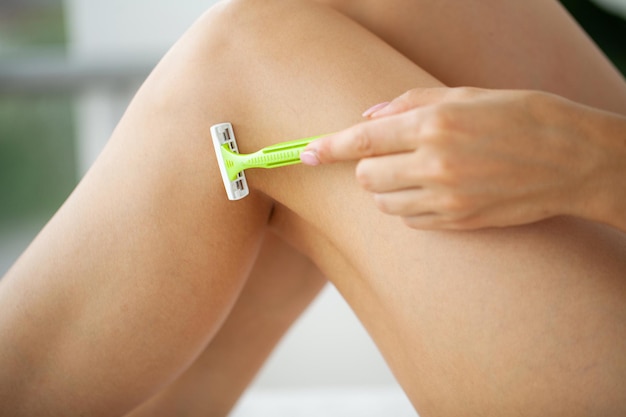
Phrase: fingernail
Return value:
(374, 109)
(309, 158)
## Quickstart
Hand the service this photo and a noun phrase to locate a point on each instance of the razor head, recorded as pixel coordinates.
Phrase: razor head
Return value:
(224, 135)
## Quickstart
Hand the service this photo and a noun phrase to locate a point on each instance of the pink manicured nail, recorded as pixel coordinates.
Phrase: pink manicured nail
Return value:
(374, 109)
(309, 158)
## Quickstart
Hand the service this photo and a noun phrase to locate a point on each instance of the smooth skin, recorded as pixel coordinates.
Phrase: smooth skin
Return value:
(137, 274)
(467, 158)
(281, 285)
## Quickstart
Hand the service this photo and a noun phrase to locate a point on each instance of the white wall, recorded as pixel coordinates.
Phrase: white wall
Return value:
(327, 346)
(144, 27)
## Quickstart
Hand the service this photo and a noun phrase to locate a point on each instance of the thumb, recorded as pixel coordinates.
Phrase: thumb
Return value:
(416, 97)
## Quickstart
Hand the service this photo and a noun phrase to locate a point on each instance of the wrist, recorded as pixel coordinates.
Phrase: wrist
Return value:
(604, 196)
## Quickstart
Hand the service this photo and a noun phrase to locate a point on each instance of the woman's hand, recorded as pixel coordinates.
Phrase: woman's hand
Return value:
(466, 158)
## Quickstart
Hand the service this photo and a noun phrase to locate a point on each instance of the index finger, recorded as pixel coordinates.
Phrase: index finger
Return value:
(372, 138)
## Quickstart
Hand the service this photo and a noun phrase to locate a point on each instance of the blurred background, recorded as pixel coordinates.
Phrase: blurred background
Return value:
(68, 69)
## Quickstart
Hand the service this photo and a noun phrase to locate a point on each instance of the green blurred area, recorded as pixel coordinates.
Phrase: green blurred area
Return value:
(37, 157)
(37, 147)
(41, 25)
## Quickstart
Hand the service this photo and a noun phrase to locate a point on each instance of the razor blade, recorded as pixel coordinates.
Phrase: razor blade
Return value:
(232, 164)
(224, 139)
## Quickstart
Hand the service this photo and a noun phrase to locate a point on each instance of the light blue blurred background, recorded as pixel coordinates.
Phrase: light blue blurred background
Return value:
(67, 71)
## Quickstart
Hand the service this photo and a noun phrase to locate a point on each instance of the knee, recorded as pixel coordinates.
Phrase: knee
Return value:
(252, 35)
(258, 19)
(221, 49)
(233, 32)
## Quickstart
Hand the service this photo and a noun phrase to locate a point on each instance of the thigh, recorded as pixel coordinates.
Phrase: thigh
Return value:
(282, 283)
(532, 44)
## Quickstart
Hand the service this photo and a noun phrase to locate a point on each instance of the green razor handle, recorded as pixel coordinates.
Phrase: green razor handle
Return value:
(274, 156)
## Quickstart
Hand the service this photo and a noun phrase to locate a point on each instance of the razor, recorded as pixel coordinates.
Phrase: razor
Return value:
(232, 164)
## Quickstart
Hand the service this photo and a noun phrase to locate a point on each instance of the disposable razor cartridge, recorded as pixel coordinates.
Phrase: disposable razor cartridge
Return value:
(232, 163)
(223, 137)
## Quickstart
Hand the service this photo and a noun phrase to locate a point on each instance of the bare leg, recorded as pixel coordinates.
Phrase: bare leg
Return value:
(500, 322)
(281, 285)
(532, 44)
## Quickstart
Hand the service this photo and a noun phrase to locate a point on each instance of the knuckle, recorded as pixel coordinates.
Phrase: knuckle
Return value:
(383, 204)
(407, 173)
(390, 204)
(455, 205)
(409, 99)
(413, 222)
(442, 221)
(363, 142)
(536, 104)
(404, 101)
(443, 118)
(324, 150)
(363, 175)
(441, 170)
(471, 223)
(414, 94)
(466, 223)
(464, 93)
(422, 222)
(453, 226)
(386, 204)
